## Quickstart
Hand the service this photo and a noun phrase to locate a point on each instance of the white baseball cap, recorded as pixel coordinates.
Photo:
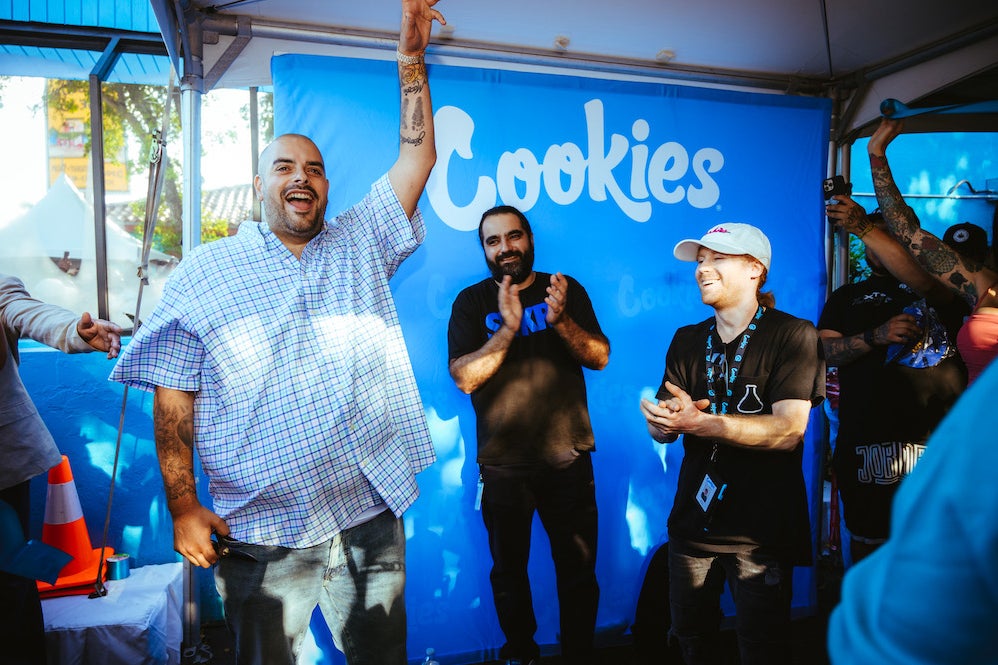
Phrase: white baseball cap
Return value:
(728, 238)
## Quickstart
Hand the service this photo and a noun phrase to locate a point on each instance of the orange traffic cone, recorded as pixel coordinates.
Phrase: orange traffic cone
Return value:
(65, 529)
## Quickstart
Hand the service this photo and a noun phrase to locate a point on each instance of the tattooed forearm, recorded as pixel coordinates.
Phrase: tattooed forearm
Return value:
(843, 350)
(413, 140)
(900, 218)
(173, 421)
(418, 119)
(414, 123)
(413, 78)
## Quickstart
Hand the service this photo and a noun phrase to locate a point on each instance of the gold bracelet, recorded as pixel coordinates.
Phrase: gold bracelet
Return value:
(408, 59)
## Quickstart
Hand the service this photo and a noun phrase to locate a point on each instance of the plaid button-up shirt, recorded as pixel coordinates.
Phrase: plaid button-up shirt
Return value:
(306, 411)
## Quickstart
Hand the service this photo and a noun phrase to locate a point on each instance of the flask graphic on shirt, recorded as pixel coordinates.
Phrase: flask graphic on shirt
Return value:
(750, 402)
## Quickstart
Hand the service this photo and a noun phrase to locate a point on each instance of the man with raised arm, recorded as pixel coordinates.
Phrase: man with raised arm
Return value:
(975, 282)
(893, 338)
(277, 353)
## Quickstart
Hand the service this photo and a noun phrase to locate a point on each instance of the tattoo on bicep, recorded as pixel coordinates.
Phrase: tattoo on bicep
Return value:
(964, 287)
(937, 261)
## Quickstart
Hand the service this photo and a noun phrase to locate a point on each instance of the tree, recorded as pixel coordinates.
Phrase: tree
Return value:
(858, 268)
(131, 113)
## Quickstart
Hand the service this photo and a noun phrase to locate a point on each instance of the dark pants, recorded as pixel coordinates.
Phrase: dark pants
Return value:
(22, 629)
(761, 585)
(565, 500)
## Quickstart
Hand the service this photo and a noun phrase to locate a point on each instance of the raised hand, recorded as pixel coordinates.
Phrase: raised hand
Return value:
(557, 298)
(417, 21)
(510, 307)
(886, 132)
(849, 215)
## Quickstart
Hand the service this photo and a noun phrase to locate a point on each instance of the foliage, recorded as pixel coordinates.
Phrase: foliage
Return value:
(858, 269)
(265, 116)
(167, 233)
(131, 113)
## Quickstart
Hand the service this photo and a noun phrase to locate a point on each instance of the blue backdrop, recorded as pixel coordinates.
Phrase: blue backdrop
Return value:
(611, 174)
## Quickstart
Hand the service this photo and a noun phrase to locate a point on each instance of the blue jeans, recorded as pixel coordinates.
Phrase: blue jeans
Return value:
(565, 500)
(761, 585)
(357, 579)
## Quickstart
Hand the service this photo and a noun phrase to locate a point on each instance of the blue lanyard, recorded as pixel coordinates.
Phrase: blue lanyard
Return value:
(715, 372)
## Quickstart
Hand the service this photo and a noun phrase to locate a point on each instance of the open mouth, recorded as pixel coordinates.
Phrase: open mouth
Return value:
(301, 200)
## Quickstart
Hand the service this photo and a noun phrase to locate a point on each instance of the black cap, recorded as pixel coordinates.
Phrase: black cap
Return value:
(968, 239)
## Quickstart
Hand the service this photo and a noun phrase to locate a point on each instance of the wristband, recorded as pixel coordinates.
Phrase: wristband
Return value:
(408, 59)
(868, 337)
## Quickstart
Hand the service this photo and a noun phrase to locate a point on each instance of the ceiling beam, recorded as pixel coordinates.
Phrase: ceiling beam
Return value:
(56, 36)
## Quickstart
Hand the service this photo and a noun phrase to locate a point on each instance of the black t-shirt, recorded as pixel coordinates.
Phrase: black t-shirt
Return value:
(534, 409)
(890, 398)
(765, 502)
(890, 401)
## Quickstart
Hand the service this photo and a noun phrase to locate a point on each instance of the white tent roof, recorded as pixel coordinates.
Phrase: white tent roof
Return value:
(62, 221)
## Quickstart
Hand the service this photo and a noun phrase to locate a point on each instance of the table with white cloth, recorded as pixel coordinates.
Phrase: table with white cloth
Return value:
(138, 622)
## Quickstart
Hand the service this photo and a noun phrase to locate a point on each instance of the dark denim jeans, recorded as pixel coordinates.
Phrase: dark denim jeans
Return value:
(357, 579)
(22, 628)
(565, 500)
(761, 585)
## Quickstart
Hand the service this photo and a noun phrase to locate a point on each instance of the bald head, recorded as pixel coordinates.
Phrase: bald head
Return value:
(292, 188)
(267, 156)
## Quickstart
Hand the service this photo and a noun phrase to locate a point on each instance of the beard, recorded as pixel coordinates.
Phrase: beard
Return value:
(519, 270)
(283, 223)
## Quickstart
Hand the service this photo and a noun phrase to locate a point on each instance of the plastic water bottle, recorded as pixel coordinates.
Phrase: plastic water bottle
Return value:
(430, 657)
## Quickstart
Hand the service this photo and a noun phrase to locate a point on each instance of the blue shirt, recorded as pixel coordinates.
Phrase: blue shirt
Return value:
(929, 595)
(306, 411)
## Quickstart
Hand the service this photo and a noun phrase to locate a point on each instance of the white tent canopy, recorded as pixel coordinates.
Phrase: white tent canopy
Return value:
(60, 229)
(61, 224)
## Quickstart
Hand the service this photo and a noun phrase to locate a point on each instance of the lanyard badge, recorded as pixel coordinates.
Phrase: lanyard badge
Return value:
(721, 379)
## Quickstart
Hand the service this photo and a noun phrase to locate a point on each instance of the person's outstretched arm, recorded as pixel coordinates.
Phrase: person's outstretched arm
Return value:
(895, 258)
(970, 279)
(417, 152)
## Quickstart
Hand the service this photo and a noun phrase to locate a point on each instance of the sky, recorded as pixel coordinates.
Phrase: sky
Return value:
(23, 177)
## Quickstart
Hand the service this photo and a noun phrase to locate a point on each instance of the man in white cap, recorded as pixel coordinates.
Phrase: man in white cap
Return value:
(740, 386)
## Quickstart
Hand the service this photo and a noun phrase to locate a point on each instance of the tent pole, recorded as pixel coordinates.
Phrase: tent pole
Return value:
(254, 144)
(191, 90)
